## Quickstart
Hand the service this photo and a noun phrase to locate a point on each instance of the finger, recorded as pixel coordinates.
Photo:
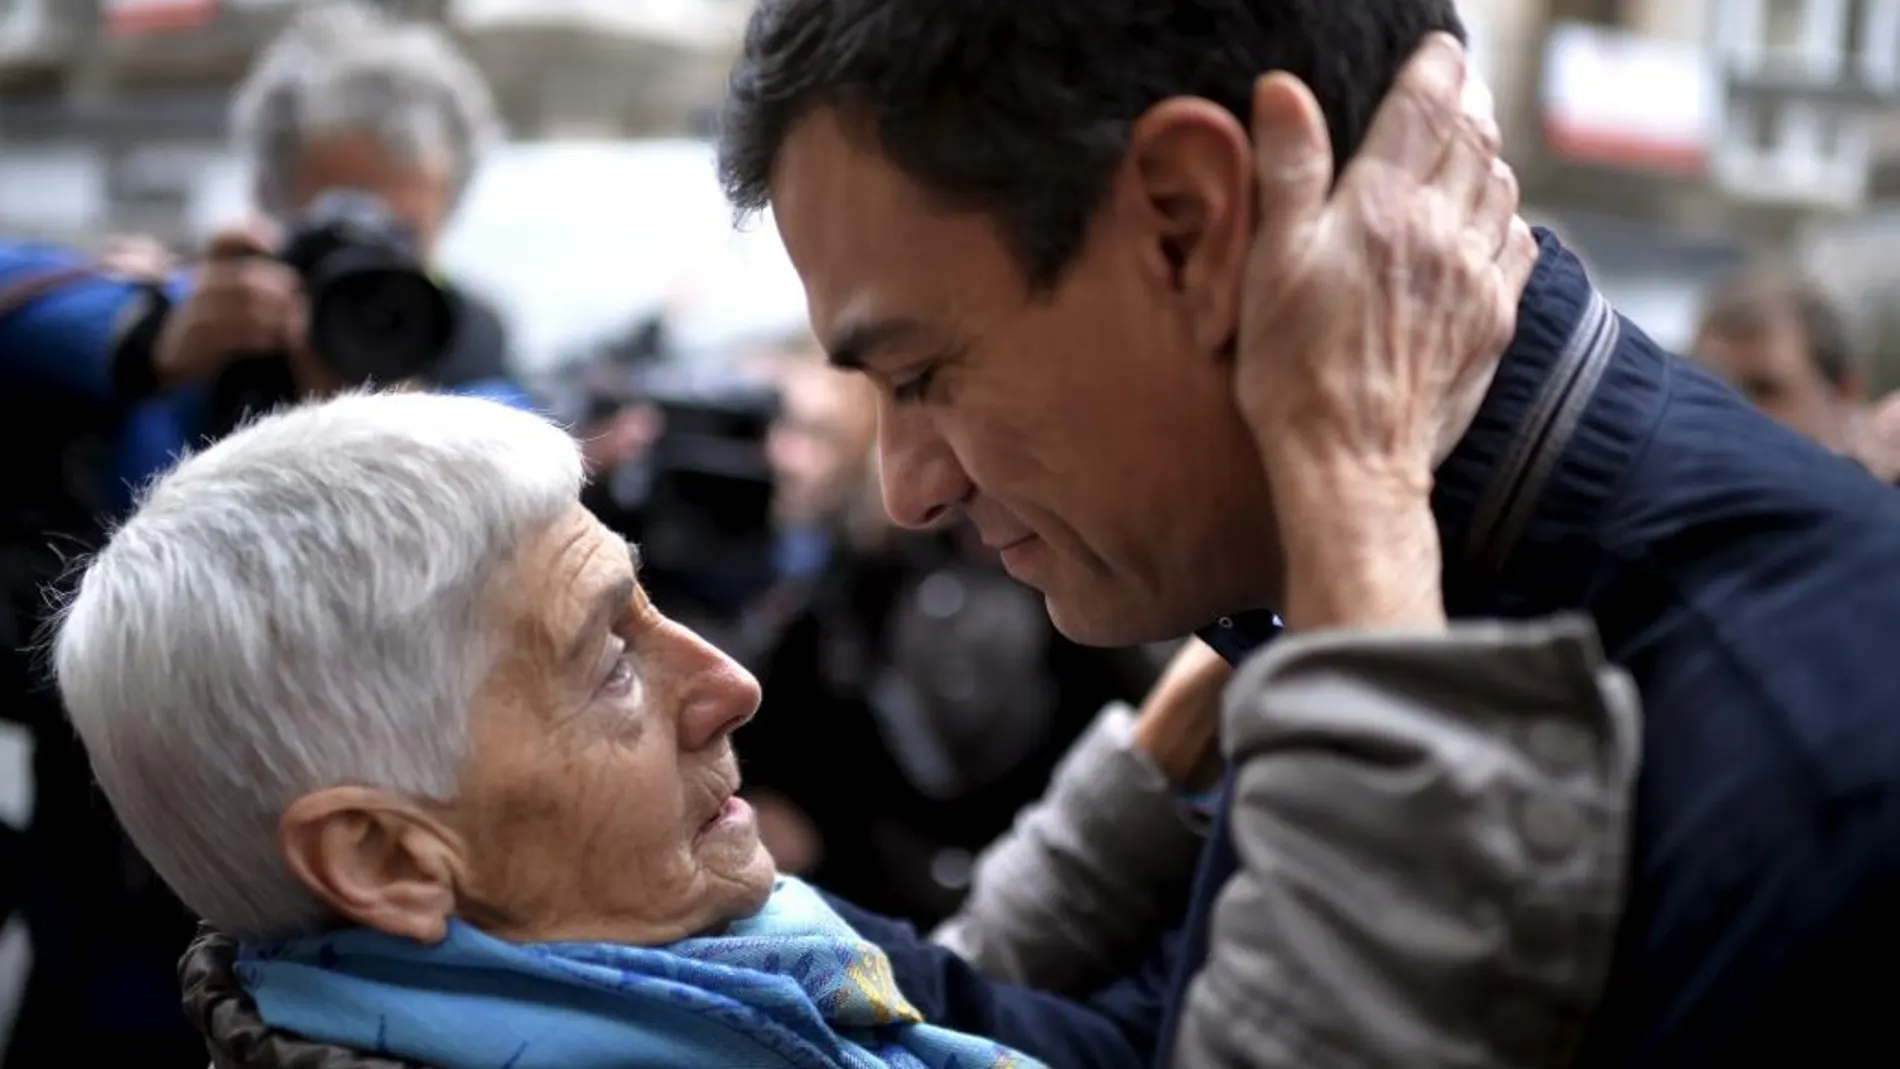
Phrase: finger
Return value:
(240, 241)
(1417, 120)
(1293, 155)
(245, 304)
(1466, 169)
(258, 325)
(1496, 208)
(258, 293)
(1514, 266)
(1519, 257)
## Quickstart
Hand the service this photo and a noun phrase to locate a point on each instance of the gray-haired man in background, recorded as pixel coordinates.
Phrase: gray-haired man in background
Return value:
(347, 99)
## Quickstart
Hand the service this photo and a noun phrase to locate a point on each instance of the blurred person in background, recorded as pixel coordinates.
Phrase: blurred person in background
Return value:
(1787, 347)
(112, 365)
(907, 657)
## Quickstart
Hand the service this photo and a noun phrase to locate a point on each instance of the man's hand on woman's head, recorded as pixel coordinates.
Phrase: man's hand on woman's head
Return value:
(1373, 313)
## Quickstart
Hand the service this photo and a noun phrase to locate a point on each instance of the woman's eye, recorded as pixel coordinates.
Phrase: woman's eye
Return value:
(620, 676)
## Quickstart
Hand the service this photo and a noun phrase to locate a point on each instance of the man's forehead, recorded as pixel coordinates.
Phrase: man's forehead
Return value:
(869, 243)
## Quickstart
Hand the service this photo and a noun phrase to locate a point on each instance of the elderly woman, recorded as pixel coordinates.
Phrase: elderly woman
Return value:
(377, 697)
(373, 692)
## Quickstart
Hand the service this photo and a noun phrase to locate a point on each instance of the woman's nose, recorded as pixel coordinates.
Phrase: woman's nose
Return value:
(922, 480)
(720, 696)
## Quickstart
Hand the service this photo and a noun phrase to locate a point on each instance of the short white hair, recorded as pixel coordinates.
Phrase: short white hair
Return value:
(303, 605)
(345, 67)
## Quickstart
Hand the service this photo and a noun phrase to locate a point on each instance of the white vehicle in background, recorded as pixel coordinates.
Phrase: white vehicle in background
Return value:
(576, 242)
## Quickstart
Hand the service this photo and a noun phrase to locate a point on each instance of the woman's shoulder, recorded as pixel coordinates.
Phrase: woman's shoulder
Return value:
(236, 1036)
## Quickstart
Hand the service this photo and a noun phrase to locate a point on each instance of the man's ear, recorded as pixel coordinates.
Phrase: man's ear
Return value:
(375, 858)
(1190, 163)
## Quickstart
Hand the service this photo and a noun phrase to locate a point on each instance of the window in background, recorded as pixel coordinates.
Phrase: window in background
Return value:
(1801, 82)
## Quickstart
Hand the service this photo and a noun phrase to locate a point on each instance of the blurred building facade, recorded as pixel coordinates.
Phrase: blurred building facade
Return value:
(111, 109)
(1675, 140)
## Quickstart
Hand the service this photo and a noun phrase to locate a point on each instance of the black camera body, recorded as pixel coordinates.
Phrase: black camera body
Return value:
(376, 315)
(706, 521)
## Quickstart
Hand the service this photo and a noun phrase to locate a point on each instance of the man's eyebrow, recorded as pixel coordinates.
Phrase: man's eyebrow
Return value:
(853, 344)
(609, 605)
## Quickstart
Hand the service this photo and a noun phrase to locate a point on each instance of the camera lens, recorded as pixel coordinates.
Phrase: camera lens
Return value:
(380, 325)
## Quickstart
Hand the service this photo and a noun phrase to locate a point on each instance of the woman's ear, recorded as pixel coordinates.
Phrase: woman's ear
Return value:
(375, 858)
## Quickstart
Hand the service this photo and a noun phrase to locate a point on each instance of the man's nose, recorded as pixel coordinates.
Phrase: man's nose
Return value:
(720, 695)
(921, 477)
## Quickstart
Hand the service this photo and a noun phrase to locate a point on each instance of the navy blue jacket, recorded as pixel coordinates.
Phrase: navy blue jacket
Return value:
(1750, 583)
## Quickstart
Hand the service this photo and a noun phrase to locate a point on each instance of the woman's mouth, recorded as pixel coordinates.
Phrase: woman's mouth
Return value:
(735, 813)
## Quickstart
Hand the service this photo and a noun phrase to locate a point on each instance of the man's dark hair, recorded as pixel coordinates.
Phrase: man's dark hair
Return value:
(1748, 306)
(1022, 108)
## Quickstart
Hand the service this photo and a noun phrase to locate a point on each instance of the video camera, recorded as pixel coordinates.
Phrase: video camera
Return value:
(705, 521)
(375, 313)
(710, 499)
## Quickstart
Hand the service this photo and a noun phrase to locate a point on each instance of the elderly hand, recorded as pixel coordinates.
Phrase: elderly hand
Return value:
(1367, 310)
(1369, 317)
(243, 302)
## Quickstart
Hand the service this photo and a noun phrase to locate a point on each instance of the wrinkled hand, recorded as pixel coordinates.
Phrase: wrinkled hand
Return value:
(1366, 311)
(243, 302)
(1877, 446)
(1178, 726)
(1369, 323)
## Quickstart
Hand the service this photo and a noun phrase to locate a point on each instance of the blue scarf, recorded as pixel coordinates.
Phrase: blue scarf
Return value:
(791, 986)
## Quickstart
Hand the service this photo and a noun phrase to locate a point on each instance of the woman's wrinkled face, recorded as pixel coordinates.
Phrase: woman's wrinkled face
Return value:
(600, 798)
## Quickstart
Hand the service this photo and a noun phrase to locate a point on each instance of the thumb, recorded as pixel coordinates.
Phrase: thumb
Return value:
(1293, 154)
(241, 240)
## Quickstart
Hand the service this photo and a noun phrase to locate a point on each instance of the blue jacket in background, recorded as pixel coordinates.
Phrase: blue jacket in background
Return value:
(63, 343)
(1749, 582)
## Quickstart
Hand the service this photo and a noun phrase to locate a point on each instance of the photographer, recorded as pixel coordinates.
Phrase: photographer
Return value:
(361, 135)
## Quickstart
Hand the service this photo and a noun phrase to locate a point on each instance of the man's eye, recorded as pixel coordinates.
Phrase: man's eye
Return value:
(913, 390)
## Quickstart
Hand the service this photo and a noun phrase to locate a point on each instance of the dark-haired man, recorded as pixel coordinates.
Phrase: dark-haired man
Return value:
(1787, 348)
(1034, 226)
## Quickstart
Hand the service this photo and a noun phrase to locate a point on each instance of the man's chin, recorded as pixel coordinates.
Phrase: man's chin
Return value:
(1095, 622)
